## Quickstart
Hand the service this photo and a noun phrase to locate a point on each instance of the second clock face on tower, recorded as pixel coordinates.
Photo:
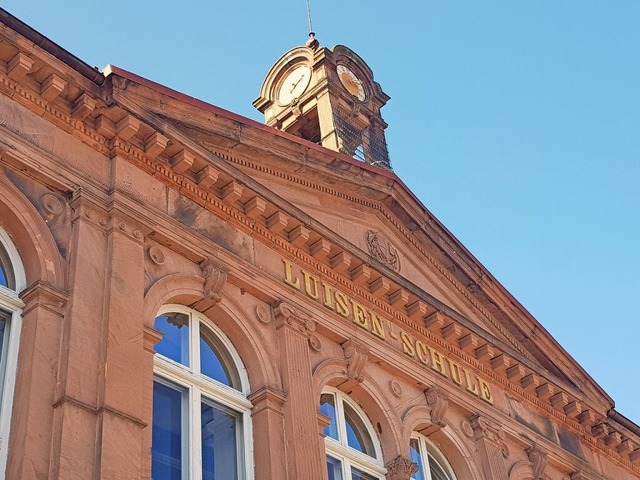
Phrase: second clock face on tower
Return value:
(351, 82)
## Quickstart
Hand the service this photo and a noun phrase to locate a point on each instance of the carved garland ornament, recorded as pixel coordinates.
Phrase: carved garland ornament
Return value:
(381, 249)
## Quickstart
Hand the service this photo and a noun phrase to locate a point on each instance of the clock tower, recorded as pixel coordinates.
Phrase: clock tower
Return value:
(327, 96)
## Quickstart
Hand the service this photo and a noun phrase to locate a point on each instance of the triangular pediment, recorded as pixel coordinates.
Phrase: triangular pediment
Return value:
(345, 202)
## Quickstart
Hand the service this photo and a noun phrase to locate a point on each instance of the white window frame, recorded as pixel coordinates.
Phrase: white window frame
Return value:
(340, 450)
(430, 453)
(198, 385)
(12, 304)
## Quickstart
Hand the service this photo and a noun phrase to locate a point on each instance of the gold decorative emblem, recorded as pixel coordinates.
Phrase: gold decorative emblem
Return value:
(381, 249)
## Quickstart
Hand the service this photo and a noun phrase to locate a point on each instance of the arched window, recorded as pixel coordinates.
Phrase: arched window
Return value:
(12, 282)
(201, 415)
(353, 452)
(432, 465)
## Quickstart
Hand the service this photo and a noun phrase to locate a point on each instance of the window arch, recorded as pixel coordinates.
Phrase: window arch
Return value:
(201, 415)
(353, 451)
(432, 464)
(12, 282)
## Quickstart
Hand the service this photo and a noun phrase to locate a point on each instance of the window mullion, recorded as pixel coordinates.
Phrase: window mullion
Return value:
(194, 349)
(195, 440)
(342, 426)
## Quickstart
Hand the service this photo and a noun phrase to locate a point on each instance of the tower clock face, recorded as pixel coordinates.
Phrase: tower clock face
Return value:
(294, 84)
(351, 82)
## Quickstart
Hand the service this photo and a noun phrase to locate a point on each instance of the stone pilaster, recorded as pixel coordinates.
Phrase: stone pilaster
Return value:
(303, 451)
(268, 432)
(491, 447)
(32, 427)
(102, 386)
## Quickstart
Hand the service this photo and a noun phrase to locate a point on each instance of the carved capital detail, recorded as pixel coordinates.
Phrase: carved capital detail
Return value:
(438, 400)
(484, 429)
(356, 354)
(539, 460)
(400, 469)
(288, 316)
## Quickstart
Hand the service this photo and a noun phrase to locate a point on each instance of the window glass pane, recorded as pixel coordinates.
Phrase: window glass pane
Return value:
(175, 343)
(6, 272)
(334, 467)
(360, 475)
(357, 436)
(4, 340)
(212, 364)
(166, 444)
(437, 472)
(328, 408)
(416, 457)
(220, 430)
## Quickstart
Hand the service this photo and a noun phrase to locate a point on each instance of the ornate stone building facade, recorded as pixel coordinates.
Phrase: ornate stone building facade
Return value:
(186, 293)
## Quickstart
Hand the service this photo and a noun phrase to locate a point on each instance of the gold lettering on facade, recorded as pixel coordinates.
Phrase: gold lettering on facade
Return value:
(454, 371)
(437, 362)
(407, 344)
(360, 315)
(328, 295)
(471, 386)
(342, 307)
(310, 285)
(288, 275)
(421, 352)
(378, 326)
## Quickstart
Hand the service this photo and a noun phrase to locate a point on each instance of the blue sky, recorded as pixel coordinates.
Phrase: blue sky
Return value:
(516, 123)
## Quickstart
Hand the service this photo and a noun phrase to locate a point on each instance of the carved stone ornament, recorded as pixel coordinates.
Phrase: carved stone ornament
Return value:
(356, 354)
(438, 401)
(539, 460)
(286, 315)
(315, 343)
(156, 255)
(51, 205)
(396, 389)
(482, 428)
(263, 314)
(467, 429)
(215, 276)
(400, 469)
(382, 250)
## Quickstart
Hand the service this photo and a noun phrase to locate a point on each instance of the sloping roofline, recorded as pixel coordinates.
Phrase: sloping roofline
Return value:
(95, 76)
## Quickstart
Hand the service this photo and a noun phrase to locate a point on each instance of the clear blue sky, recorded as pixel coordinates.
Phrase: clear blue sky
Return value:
(516, 123)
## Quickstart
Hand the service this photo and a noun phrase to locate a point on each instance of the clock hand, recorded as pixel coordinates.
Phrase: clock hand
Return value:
(295, 84)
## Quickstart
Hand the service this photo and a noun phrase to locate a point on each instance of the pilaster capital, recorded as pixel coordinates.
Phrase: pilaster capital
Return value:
(42, 294)
(288, 316)
(484, 429)
(539, 460)
(267, 398)
(400, 468)
(151, 336)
